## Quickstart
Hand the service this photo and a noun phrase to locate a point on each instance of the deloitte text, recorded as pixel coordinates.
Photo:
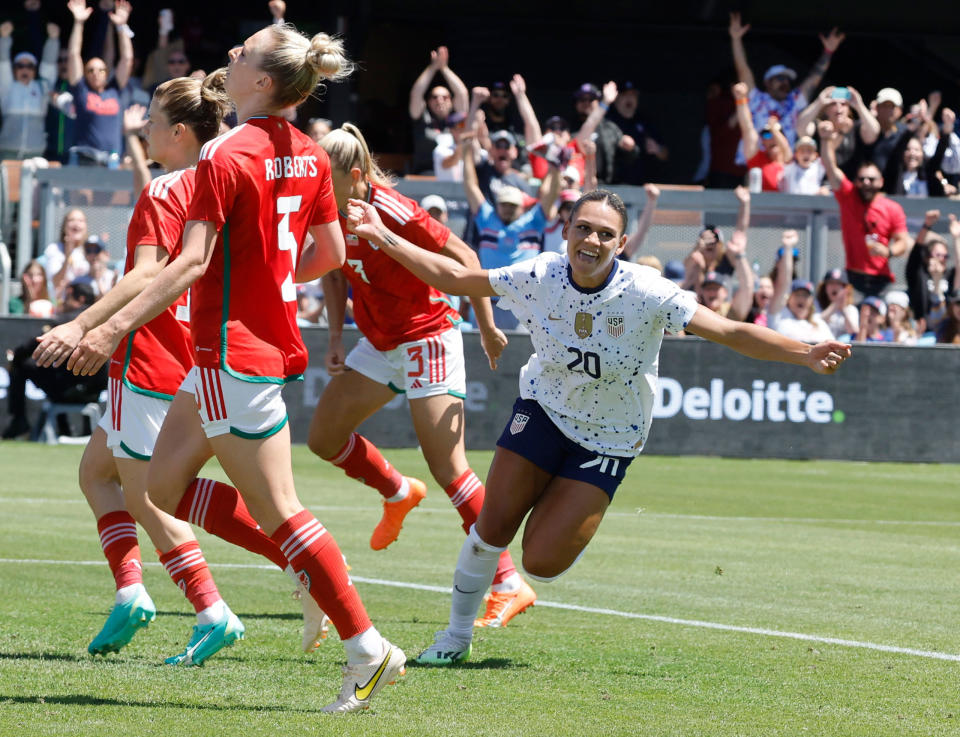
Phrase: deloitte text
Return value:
(763, 402)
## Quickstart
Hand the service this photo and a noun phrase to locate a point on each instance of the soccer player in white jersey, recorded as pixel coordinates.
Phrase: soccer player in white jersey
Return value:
(586, 395)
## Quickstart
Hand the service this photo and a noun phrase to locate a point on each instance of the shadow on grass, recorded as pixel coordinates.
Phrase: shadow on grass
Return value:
(86, 700)
(485, 664)
(43, 656)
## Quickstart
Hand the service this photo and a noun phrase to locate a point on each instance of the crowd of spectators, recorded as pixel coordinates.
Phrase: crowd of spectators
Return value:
(522, 169)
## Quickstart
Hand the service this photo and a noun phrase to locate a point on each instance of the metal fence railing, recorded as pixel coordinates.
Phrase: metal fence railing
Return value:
(106, 197)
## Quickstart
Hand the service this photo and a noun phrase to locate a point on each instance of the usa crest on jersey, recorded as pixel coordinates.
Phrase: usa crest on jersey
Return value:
(520, 421)
(615, 325)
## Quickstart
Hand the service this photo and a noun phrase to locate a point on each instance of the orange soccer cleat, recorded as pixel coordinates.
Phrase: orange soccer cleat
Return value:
(394, 513)
(502, 606)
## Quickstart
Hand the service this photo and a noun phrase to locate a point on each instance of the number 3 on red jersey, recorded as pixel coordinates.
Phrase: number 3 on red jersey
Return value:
(287, 241)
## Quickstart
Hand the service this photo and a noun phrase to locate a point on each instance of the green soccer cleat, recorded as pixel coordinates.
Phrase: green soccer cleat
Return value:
(208, 639)
(123, 623)
(445, 650)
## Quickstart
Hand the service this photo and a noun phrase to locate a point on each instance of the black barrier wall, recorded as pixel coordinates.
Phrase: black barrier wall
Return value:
(888, 403)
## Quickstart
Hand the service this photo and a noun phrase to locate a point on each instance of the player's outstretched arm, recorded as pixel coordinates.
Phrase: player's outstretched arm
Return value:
(438, 271)
(762, 343)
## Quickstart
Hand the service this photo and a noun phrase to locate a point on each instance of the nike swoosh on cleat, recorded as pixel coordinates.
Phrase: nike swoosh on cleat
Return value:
(363, 692)
(457, 588)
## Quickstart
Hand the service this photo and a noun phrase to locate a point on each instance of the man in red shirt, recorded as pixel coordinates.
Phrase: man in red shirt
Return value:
(874, 226)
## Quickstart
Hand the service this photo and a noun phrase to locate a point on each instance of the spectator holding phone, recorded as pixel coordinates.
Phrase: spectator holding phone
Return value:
(838, 105)
(779, 97)
(874, 226)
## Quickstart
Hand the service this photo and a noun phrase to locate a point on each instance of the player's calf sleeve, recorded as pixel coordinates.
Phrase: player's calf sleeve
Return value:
(118, 538)
(187, 568)
(475, 569)
(220, 510)
(361, 460)
(318, 563)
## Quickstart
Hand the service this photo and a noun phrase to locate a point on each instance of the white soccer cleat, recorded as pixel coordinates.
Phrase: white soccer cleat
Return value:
(316, 624)
(361, 681)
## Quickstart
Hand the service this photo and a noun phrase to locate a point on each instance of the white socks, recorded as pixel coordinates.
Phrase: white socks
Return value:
(128, 593)
(365, 647)
(213, 613)
(476, 568)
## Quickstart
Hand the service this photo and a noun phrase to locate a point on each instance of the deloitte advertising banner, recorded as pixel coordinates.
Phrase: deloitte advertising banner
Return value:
(888, 403)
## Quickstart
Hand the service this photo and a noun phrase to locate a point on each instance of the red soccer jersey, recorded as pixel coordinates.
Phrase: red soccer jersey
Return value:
(390, 305)
(154, 358)
(263, 184)
(882, 218)
(771, 171)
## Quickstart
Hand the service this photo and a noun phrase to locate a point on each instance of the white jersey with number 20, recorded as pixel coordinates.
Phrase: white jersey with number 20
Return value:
(594, 370)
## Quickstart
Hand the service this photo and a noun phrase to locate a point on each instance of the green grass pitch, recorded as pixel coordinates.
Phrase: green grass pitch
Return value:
(720, 597)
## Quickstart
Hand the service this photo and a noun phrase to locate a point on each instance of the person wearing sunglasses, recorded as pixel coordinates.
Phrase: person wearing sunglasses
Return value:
(24, 96)
(431, 105)
(874, 226)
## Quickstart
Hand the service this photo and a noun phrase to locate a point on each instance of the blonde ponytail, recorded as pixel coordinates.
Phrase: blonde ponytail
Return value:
(347, 148)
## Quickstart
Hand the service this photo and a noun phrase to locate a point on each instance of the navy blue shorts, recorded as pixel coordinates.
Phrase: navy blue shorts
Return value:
(532, 434)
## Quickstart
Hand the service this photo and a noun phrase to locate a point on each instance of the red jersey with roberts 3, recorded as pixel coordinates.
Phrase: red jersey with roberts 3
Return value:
(262, 184)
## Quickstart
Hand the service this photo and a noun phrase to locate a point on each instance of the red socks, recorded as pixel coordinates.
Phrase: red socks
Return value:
(315, 557)
(219, 509)
(118, 538)
(361, 460)
(466, 494)
(188, 569)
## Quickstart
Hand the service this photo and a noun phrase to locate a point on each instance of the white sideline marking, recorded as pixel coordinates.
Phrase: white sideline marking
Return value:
(576, 608)
(640, 513)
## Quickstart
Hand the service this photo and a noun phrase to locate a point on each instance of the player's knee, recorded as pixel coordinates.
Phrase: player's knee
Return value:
(164, 492)
(320, 444)
(541, 567)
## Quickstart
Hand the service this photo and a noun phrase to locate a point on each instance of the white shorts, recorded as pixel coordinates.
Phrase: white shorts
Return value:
(132, 421)
(247, 409)
(421, 368)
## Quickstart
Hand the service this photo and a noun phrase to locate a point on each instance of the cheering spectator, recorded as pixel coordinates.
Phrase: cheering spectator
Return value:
(429, 113)
(768, 150)
(721, 138)
(888, 108)
(24, 97)
(64, 259)
(803, 175)
(708, 252)
(507, 234)
(779, 97)
(908, 171)
(635, 241)
(650, 152)
(59, 123)
(835, 303)
(436, 206)
(762, 295)
(614, 149)
(929, 279)
(714, 291)
(96, 99)
(874, 227)
(873, 317)
(34, 299)
(837, 105)
(500, 115)
(791, 311)
(950, 168)
(553, 240)
(99, 275)
(949, 330)
(900, 327)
